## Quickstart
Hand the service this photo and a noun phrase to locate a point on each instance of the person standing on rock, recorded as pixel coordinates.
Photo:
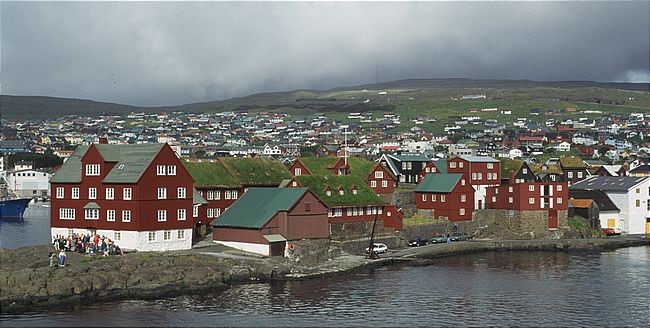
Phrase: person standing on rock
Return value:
(62, 258)
(52, 259)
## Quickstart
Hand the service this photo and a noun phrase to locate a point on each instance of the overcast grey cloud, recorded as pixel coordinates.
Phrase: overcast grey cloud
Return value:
(168, 53)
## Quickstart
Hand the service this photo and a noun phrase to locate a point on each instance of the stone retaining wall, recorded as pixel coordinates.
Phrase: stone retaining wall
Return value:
(356, 230)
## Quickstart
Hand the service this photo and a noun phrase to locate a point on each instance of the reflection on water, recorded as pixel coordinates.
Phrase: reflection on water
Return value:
(502, 289)
(33, 229)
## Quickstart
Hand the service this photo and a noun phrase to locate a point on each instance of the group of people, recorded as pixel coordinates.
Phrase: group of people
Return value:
(83, 244)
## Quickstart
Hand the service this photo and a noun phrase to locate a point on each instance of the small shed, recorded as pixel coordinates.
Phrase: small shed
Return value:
(268, 221)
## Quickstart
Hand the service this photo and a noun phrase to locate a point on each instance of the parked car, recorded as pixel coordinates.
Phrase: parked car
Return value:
(439, 239)
(612, 231)
(379, 248)
(460, 236)
(419, 241)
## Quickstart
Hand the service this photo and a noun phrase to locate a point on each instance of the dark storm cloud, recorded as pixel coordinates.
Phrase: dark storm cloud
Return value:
(174, 53)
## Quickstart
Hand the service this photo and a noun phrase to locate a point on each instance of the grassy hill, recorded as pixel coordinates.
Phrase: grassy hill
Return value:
(437, 98)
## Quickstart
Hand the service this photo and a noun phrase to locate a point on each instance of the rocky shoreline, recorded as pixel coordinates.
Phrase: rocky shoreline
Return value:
(27, 281)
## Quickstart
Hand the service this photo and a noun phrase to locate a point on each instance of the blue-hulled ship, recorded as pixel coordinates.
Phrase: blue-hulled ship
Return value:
(13, 208)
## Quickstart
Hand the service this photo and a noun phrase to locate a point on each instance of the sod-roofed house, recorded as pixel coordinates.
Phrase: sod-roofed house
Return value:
(516, 171)
(140, 196)
(352, 205)
(222, 181)
(377, 177)
(272, 221)
(448, 196)
(574, 169)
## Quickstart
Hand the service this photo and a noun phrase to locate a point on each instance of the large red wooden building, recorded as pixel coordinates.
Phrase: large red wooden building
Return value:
(140, 196)
(481, 172)
(449, 196)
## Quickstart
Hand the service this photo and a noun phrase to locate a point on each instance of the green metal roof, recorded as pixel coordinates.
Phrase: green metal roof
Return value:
(197, 199)
(441, 164)
(91, 205)
(257, 206)
(131, 162)
(439, 182)
(236, 172)
(410, 157)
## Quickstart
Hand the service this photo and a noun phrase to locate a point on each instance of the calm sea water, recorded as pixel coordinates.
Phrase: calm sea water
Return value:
(600, 289)
(33, 229)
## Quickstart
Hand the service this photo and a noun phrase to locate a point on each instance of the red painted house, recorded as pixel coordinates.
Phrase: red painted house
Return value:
(381, 180)
(224, 180)
(450, 196)
(481, 172)
(531, 196)
(140, 196)
(268, 220)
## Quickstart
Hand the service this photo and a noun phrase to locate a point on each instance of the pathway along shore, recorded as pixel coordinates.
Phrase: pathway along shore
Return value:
(27, 281)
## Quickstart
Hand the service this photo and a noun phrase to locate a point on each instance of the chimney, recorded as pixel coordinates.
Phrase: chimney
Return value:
(103, 141)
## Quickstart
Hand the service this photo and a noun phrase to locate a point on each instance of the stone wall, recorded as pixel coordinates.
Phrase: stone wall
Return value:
(359, 246)
(495, 224)
(406, 199)
(356, 230)
(309, 251)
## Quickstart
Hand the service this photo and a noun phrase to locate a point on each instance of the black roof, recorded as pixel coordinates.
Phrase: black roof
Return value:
(599, 197)
(608, 183)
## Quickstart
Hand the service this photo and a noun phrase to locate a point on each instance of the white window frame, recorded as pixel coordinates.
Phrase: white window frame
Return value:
(559, 187)
(510, 200)
(151, 236)
(67, 213)
(531, 187)
(379, 174)
(75, 193)
(93, 169)
(462, 211)
(531, 200)
(424, 197)
(217, 195)
(559, 200)
(180, 234)
(297, 171)
(91, 214)
(384, 183)
(126, 215)
(490, 165)
(110, 193)
(443, 198)
(162, 193)
(463, 198)
(167, 235)
(110, 215)
(181, 193)
(60, 192)
(373, 183)
(195, 211)
(161, 170)
(171, 169)
(92, 193)
(162, 215)
(461, 164)
(127, 193)
(473, 176)
(510, 189)
(117, 235)
(181, 214)
(452, 165)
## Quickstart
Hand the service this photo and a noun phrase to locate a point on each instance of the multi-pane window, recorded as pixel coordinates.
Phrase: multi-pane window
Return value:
(152, 236)
(463, 198)
(126, 193)
(110, 193)
(217, 194)
(110, 215)
(92, 193)
(379, 174)
(60, 192)
(181, 213)
(210, 212)
(162, 215)
(491, 166)
(531, 200)
(181, 234)
(117, 235)
(297, 171)
(160, 170)
(559, 200)
(162, 193)
(559, 188)
(443, 198)
(126, 215)
(92, 213)
(171, 169)
(510, 200)
(195, 211)
(460, 164)
(638, 203)
(217, 212)
(210, 195)
(474, 176)
(424, 197)
(167, 235)
(66, 213)
(384, 183)
(531, 188)
(373, 183)
(92, 169)
(433, 197)
(75, 193)
(452, 165)
(510, 189)
(182, 192)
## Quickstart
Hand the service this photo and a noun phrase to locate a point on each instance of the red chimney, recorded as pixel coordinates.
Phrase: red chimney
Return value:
(103, 141)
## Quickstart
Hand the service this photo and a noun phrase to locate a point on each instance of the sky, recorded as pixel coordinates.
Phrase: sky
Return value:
(172, 53)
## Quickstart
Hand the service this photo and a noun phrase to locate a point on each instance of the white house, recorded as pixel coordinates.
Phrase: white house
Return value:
(515, 153)
(630, 194)
(28, 182)
(563, 146)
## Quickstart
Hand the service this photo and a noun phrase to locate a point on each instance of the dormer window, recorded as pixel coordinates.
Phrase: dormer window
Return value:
(328, 192)
(92, 169)
(341, 191)
(354, 190)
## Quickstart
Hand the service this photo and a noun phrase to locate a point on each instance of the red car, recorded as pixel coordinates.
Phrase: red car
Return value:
(612, 231)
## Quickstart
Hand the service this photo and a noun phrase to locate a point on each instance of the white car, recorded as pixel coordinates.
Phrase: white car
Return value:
(378, 248)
